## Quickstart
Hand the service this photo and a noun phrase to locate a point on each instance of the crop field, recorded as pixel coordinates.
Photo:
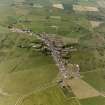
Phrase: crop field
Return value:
(96, 79)
(41, 21)
(82, 89)
(94, 101)
(84, 8)
(23, 70)
(51, 96)
(87, 2)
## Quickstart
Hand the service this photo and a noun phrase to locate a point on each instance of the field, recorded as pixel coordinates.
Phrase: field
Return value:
(96, 81)
(23, 70)
(82, 90)
(94, 101)
(95, 23)
(28, 76)
(82, 8)
(87, 2)
(51, 96)
(101, 3)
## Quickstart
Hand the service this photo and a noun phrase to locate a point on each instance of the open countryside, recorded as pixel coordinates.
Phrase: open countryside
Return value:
(52, 52)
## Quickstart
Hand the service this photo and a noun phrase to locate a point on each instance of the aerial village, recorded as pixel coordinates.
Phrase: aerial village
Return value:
(54, 53)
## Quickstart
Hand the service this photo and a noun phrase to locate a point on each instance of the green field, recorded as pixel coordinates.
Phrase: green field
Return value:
(50, 96)
(29, 73)
(96, 79)
(23, 70)
(87, 2)
(94, 101)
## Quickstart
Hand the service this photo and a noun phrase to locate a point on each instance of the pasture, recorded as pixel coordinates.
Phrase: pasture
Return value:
(94, 101)
(96, 79)
(50, 96)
